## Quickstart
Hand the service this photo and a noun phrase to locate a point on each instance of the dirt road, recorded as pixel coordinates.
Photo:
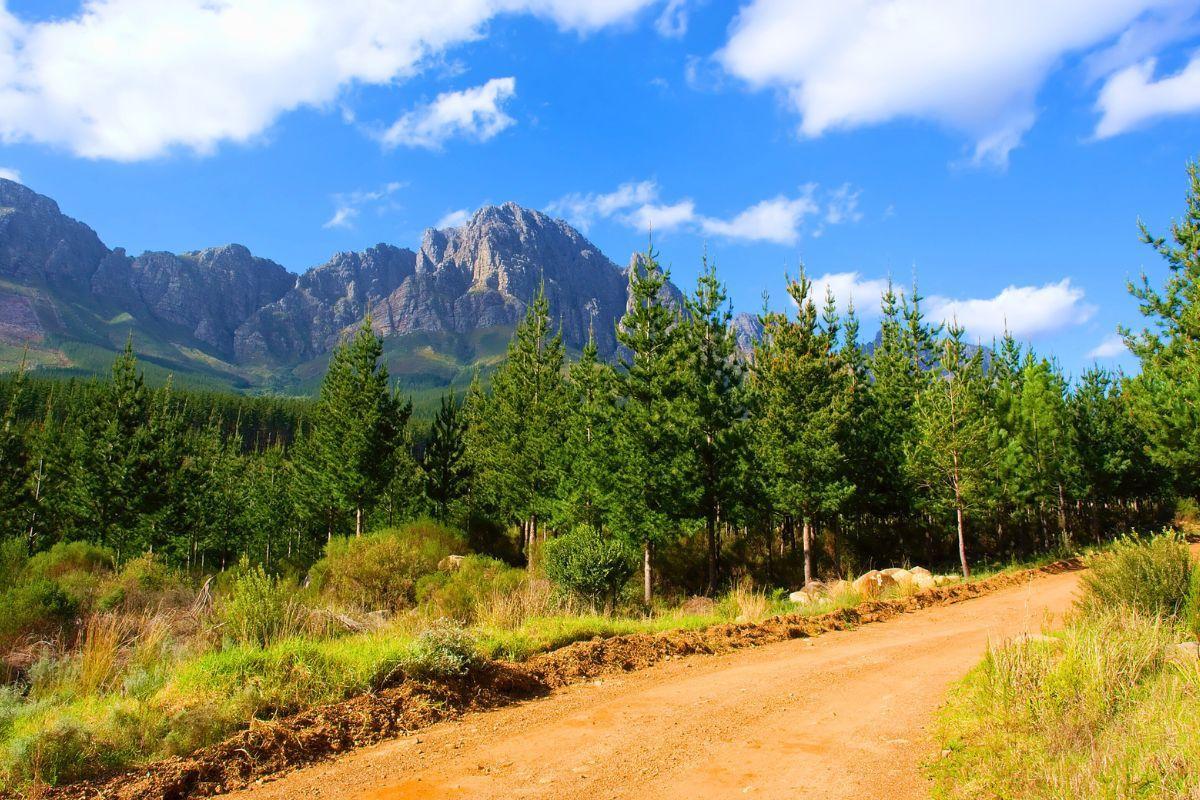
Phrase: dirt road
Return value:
(846, 714)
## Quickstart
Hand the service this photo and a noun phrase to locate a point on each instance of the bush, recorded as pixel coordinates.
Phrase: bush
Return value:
(143, 583)
(37, 606)
(79, 569)
(1151, 576)
(459, 594)
(381, 570)
(259, 609)
(441, 651)
(13, 559)
(589, 565)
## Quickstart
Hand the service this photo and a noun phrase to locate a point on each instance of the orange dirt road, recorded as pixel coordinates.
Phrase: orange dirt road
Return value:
(846, 714)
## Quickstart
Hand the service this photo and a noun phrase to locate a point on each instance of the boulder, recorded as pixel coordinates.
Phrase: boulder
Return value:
(920, 571)
(943, 580)
(450, 563)
(837, 588)
(900, 576)
(923, 580)
(811, 593)
(874, 583)
(800, 598)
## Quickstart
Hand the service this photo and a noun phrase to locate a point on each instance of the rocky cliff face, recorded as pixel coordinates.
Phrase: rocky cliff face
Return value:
(249, 312)
(40, 246)
(312, 316)
(208, 293)
(479, 275)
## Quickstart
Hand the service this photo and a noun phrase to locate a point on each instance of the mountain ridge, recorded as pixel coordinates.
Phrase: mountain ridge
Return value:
(226, 315)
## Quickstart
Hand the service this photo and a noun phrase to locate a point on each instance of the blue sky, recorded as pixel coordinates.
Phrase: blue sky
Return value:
(1002, 150)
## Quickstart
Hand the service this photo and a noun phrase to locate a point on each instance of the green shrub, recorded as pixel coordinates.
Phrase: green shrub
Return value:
(460, 593)
(37, 606)
(1192, 617)
(1149, 575)
(259, 609)
(589, 565)
(441, 651)
(13, 558)
(63, 749)
(79, 568)
(67, 557)
(381, 570)
(142, 583)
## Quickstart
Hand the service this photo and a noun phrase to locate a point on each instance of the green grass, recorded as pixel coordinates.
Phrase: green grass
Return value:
(1102, 711)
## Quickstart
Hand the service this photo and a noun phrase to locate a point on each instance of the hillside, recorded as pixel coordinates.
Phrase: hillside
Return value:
(226, 318)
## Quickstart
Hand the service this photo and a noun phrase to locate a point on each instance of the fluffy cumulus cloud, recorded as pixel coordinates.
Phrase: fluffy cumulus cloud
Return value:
(348, 205)
(134, 79)
(1112, 346)
(1133, 96)
(10, 174)
(454, 219)
(474, 113)
(851, 288)
(639, 205)
(1024, 311)
(972, 65)
(776, 220)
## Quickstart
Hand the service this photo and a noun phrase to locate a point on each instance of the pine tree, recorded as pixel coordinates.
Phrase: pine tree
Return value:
(358, 426)
(585, 491)
(443, 461)
(517, 429)
(655, 477)
(949, 453)
(714, 386)
(15, 467)
(1166, 395)
(802, 409)
(119, 475)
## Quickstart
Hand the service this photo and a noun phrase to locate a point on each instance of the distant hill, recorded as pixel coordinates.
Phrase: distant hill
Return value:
(224, 318)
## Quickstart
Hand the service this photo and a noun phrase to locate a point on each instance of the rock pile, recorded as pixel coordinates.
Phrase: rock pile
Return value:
(873, 585)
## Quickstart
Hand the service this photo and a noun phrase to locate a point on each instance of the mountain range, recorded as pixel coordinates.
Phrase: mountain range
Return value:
(226, 318)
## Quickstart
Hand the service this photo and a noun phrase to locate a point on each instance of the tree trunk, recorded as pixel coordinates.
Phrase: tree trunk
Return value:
(358, 522)
(806, 536)
(958, 512)
(646, 595)
(1062, 519)
(712, 552)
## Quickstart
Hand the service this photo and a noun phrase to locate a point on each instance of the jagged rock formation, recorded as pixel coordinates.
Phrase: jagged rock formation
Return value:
(225, 308)
(479, 275)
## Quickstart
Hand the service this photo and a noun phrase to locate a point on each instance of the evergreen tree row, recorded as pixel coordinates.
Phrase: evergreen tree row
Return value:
(809, 455)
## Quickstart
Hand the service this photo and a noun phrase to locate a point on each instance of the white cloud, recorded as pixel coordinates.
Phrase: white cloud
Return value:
(851, 287)
(135, 79)
(10, 174)
(349, 204)
(581, 210)
(776, 220)
(661, 217)
(474, 113)
(972, 65)
(1024, 311)
(1133, 96)
(1112, 346)
(673, 21)
(638, 204)
(454, 219)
